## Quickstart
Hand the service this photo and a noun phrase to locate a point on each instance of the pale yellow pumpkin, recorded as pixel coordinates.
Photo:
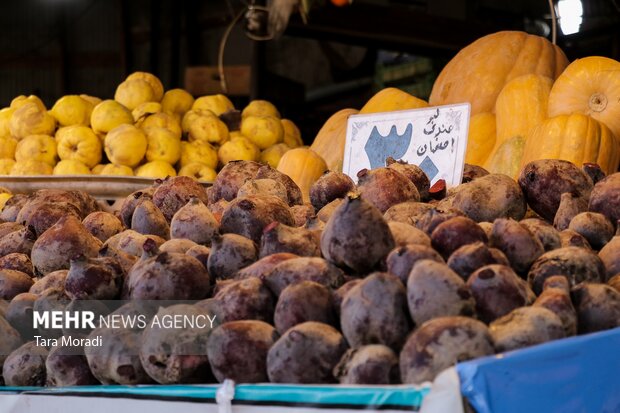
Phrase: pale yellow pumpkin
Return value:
(478, 72)
(576, 138)
(590, 86)
(329, 142)
(390, 99)
(481, 138)
(304, 166)
(521, 106)
(506, 158)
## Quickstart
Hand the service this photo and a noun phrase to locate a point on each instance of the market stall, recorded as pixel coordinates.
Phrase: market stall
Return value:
(440, 242)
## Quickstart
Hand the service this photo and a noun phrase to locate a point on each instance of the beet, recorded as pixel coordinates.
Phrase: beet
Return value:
(237, 350)
(375, 312)
(356, 236)
(384, 187)
(306, 354)
(330, 186)
(175, 192)
(440, 343)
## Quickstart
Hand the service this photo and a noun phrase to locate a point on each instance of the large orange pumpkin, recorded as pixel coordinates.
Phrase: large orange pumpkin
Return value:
(576, 138)
(391, 98)
(479, 71)
(591, 86)
(329, 142)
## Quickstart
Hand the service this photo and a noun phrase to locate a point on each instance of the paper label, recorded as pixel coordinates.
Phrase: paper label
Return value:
(433, 138)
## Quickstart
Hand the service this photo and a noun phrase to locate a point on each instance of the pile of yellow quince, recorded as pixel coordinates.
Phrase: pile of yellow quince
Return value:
(142, 131)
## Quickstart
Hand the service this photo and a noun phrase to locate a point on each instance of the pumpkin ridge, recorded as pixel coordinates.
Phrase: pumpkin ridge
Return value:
(577, 138)
(511, 75)
(545, 53)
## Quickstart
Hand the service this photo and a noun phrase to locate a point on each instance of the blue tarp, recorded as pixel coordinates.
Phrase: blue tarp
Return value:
(579, 374)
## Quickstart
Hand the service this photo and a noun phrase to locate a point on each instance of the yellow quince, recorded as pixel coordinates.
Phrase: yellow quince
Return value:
(263, 131)
(239, 148)
(260, 108)
(37, 148)
(272, 155)
(8, 145)
(71, 167)
(132, 93)
(5, 118)
(31, 167)
(162, 145)
(116, 170)
(155, 169)
(30, 119)
(162, 120)
(144, 110)
(198, 171)
(217, 104)
(79, 143)
(6, 165)
(209, 129)
(292, 135)
(152, 80)
(125, 145)
(109, 114)
(177, 102)
(72, 110)
(198, 152)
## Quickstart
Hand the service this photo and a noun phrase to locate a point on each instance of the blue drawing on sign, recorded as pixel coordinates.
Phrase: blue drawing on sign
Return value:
(378, 147)
(429, 168)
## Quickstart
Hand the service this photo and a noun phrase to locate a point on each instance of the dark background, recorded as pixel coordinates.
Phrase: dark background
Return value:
(55, 47)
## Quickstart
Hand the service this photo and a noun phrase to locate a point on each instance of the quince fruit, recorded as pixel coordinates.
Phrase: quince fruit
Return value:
(37, 148)
(109, 114)
(217, 104)
(198, 171)
(260, 108)
(31, 167)
(72, 110)
(71, 167)
(263, 131)
(155, 169)
(162, 145)
(79, 143)
(239, 148)
(125, 145)
(192, 152)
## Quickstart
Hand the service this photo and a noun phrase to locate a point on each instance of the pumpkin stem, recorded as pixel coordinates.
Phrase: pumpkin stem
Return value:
(598, 102)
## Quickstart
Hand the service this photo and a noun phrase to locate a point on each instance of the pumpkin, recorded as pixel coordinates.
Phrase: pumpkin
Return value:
(304, 166)
(590, 86)
(478, 72)
(522, 105)
(577, 138)
(481, 138)
(506, 158)
(329, 142)
(389, 99)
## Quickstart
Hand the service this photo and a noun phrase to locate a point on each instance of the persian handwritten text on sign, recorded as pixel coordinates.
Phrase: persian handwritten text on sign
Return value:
(434, 138)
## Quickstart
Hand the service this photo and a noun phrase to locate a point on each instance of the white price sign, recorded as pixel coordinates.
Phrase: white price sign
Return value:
(433, 138)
